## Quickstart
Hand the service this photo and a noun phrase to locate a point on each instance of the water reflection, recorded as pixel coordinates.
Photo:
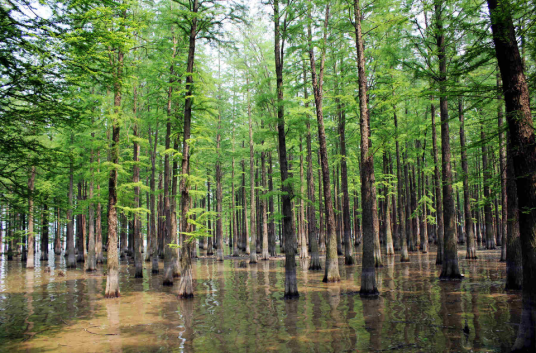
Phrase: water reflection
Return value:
(240, 308)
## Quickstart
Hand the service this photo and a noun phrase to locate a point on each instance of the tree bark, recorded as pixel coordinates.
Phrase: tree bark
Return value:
(450, 270)
(186, 289)
(291, 282)
(71, 259)
(368, 187)
(30, 260)
(112, 279)
(471, 246)
(331, 273)
(91, 264)
(523, 149)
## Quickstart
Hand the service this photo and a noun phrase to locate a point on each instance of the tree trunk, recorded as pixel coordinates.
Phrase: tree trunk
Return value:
(389, 249)
(314, 265)
(210, 240)
(252, 228)
(331, 273)
(112, 280)
(404, 255)
(186, 289)
(138, 240)
(152, 219)
(30, 260)
(490, 237)
(523, 148)
(502, 166)
(440, 230)
(514, 260)
(471, 246)
(91, 264)
(271, 209)
(304, 253)
(265, 254)
(291, 282)
(71, 258)
(368, 187)
(57, 238)
(450, 270)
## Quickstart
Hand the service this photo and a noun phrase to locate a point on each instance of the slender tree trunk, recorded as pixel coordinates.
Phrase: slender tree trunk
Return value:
(271, 209)
(332, 265)
(31, 236)
(264, 203)
(152, 219)
(440, 230)
(304, 253)
(71, 259)
(291, 282)
(253, 230)
(169, 237)
(368, 187)
(471, 246)
(404, 255)
(450, 270)
(98, 221)
(186, 289)
(502, 166)
(490, 237)
(314, 265)
(138, 240)
(57, 238)
(219, 197)
(91, 264)
(210, 240)
(112, 280)
(389, 249)
(348, 250)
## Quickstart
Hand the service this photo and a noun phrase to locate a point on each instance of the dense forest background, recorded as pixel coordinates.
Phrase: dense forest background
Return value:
(173, 126)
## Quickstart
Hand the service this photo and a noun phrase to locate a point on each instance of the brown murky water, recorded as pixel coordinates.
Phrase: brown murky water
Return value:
(241, 309)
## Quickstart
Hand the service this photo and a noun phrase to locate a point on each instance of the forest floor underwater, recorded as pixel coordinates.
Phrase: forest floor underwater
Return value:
(241, 309)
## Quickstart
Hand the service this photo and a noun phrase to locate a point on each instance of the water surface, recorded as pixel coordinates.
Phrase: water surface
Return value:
(241, 309)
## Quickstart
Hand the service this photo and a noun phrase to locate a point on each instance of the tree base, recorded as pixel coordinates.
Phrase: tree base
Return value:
(349, 260)
(138, 275)
(155, 272)
(112, 295)
(451, 277)
(369, 294)
(167, 283)
(185, 296)
(315, 267)
(291, 296)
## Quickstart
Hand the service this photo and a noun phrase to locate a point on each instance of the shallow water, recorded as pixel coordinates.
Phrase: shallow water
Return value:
(242, 310)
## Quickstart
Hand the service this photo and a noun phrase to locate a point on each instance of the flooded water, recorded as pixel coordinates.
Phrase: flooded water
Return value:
(241, 309)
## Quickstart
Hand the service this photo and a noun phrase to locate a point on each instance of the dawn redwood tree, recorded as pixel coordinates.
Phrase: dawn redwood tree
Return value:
(71, 259)
(368, 187)
(252, 227)
(186, 289)
(314, 265)
(112, 279)
(450, 268)
(471, 245)
(291, 282)
(404, 255)
(31, 235)
(332, 264)
(91, 263)
(523, 148)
